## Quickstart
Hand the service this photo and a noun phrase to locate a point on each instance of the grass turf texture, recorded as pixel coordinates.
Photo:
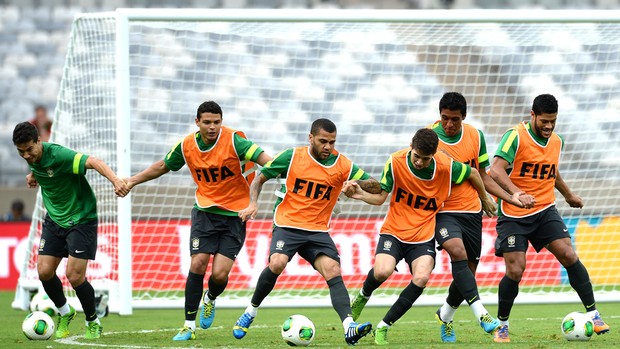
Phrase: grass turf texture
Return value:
(532, 326)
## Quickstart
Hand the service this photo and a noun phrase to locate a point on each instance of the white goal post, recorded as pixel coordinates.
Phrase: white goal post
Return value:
(133, 79)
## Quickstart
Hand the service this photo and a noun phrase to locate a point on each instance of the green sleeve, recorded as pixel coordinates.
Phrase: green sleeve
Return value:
(174, 160)
(460, 172)
(358, 173)
(483, 156)
(387, 180)
(246, 149)
(70, 160)
(561, 139)
(278, 165)
(507, 147)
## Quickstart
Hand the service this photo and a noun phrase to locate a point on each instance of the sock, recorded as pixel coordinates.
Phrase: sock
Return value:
(446, 312)
(404, 302)
(504, 323)
(370, 284)
(580, 281)
(86, 294)
(465, 281)
(191, 324)
(506, 294)
(215, 289)
(593, 313)
(340, 297)
(193, 293)
(382, 324)
(266, 282)
(455, 298)
(95, 321)
(346, 322)
(252, 310)
(64, 310)
(478, 309)
(53, 288)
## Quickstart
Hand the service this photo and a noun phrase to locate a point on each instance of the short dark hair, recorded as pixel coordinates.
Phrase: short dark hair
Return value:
(425, 140)
(453, 101)
(25, 132)
(209, 107)
(545, 104)
(17, 205)
(322, 124)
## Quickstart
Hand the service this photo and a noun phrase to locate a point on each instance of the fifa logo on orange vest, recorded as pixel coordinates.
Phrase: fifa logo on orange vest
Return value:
(540, 171)
(312, 190)
(416, 201)
(213, 174)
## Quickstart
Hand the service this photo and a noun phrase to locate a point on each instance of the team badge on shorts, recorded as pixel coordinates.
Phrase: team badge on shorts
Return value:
(195, 243)
(443, 232)
(41, 244)
(279, 245)
(511, 241)
(387, 245)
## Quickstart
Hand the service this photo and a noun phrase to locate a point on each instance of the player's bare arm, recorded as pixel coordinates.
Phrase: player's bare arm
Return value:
(255, 188)
(494, 189)
(157, 169)
(120, 187)
(31, 182)
(370, 185)
(499, 175)
(488, 206)
(263, 158)
(356, 192)
(571, 198)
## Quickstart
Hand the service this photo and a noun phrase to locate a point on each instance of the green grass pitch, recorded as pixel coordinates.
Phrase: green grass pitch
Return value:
(532, 326)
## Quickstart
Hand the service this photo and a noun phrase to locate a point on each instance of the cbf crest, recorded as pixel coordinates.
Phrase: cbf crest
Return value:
(279, 244)
(50, 172)
(511, 241)
(443, 232)
(387, 245)
(41, 244)
(195, 243)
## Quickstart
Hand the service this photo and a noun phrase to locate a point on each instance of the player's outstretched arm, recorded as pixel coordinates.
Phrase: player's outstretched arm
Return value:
(571, 198)
(353, 190)
(370, 185)
(488, 206)
(31, 182)
(499, 175)
(120, 187)
(156, 170)
(494, 189)
(255, 188)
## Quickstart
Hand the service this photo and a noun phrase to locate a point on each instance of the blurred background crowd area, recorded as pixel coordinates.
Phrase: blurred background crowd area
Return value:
(34, 35)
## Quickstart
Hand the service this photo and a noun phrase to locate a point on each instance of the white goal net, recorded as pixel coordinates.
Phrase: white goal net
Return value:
(134, 78)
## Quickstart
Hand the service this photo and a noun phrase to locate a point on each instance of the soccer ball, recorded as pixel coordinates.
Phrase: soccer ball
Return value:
(298, 330)
(41, 302)
(577, 326)
(38, 325)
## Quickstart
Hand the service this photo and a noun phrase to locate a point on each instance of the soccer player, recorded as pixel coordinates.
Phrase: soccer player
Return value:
(315, 175)
(215, 155)
(459, 222)
(533, 150)
(420, 180)
(70, 226)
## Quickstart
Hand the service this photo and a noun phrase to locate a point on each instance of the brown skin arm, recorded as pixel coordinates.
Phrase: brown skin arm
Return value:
(255, 188)
(571, 198)
(499, 175)
(120, 187)
(157, 169)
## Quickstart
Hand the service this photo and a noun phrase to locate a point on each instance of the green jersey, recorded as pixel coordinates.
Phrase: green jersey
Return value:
(507, 147)
(460, 171)
(246, 150)
(279, 165)
(67, 196)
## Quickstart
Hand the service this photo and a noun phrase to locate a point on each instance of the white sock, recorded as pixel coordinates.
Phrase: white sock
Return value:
(504, 323)
(478, 309)
(592, 313)
(446, 312)
(346, 322)
(382, 324)
(362, 293)
(191, 324)
(96, 320)
(206, 298)
(64, 310)
(252, 310)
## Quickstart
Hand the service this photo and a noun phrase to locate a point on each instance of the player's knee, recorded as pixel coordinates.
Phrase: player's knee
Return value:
(420, 279)
(75, 278)
(382, 274)
(277, 265)
(45, 273)
(567, 257)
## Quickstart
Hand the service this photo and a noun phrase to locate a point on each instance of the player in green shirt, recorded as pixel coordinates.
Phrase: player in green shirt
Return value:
(215, 156)
(70, 226)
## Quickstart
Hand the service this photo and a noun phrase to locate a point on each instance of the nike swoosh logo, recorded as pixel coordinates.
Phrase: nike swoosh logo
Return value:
(565, 230)
(78, 251)
(473, 299)
(192, 312)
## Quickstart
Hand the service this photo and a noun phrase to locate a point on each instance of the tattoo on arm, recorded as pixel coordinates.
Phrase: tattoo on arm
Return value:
(370, 185)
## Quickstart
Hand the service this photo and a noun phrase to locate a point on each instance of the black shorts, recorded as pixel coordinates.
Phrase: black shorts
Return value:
(465, 226)
(214, 233)
(388, 244)
(309, 244)
(539, 229)
(79, 241)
